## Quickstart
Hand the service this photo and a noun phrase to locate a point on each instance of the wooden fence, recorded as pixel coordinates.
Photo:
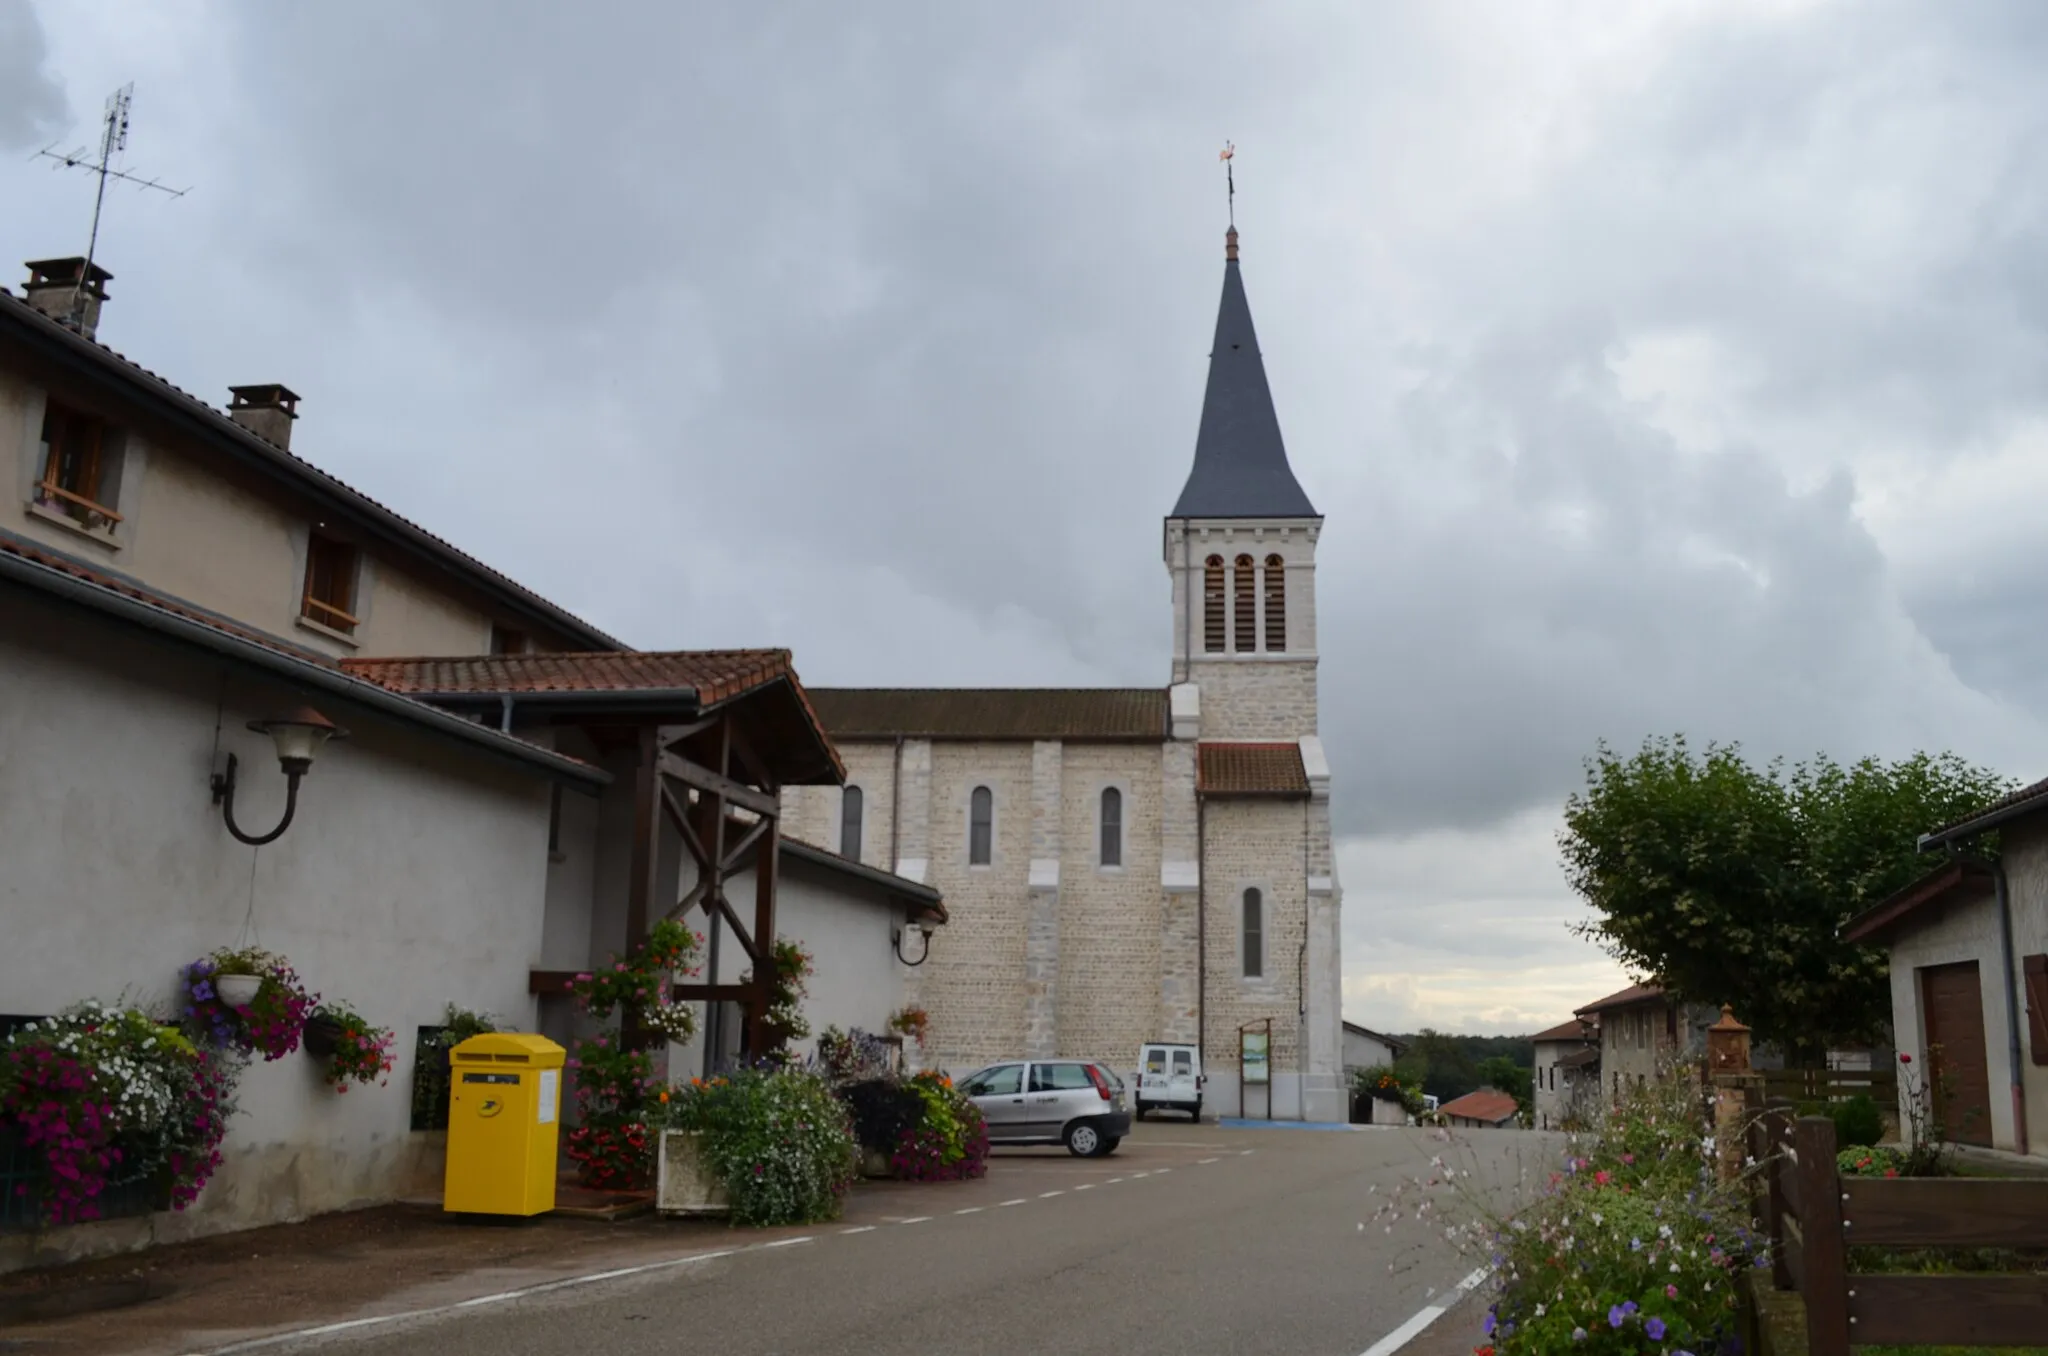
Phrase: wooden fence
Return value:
(1815, 1216)
(1833, 1085)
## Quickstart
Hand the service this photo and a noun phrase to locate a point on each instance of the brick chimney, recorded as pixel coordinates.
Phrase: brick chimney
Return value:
(266, 411)
(53, 288)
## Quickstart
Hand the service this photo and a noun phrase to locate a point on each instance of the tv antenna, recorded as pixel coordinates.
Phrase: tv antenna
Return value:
(113, 141)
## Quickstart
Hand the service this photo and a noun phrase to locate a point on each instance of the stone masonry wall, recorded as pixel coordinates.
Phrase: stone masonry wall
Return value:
(974, 984)
(1042, 929)
(1109, 916)
(1254, 843)
(1271, 699)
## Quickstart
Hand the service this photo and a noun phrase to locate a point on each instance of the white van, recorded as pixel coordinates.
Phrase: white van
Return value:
(1170, 1078)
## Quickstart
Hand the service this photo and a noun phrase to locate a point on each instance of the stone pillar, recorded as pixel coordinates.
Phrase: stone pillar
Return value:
(1180, 885)
(1042, 929)
(1738, 1091)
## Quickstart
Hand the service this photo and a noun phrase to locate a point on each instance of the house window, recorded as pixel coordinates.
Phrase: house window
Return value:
(1112, 827)
(76, 471)
(849, 823)
(506, 640)
(981, 824)
(1212, 605)
(1246, 630)
(330, 584)
(1276, 604)
(1254, 945)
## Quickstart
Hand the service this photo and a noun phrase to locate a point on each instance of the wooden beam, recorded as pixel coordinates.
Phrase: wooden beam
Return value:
(738, 853)
(679, 815)
(672, 735)
(550, 981)
(646, 818)
(750, 764)
(720, 785)
(712, 993)
(765, 861)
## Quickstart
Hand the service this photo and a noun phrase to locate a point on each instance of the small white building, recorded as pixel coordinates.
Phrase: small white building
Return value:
(1566, 1073)
(1366, 1049)
(1968, 944)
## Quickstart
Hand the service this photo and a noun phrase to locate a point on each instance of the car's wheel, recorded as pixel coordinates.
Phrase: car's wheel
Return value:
(1083, 1140)
(1109, 1143)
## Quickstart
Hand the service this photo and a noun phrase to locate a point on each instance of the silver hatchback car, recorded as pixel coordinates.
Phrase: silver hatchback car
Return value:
(1076, 1102)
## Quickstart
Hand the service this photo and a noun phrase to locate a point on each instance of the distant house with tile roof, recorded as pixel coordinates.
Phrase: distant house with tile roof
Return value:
(1642, 1029)
(515, 794)
(1485, 1108)
(1133, 864)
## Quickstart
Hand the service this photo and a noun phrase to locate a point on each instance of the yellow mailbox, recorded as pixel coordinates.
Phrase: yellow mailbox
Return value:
(504, 1112)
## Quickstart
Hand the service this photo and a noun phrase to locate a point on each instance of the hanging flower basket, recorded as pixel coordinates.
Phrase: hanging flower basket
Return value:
(353, 1050)
(238, 991)
(219, 1012)
(321, 1036)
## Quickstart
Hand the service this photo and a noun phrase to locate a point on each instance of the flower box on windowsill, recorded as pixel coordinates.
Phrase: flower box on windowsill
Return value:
(94, 528)
(684, 1183)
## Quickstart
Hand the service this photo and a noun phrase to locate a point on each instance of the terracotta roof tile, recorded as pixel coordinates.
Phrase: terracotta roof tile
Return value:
(713, 675)
(1490, 1106)
(2014, 800)
(1574, 1030)
(1251, 770)
(1079, 713)
(1634, 993)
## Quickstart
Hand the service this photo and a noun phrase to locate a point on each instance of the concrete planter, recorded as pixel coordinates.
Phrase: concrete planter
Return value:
(684, 1183)
(238, 991)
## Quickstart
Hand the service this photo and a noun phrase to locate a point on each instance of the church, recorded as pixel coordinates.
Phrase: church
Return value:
(1123, 865)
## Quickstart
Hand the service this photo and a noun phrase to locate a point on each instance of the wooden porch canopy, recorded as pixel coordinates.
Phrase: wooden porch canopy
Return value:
(716, 735)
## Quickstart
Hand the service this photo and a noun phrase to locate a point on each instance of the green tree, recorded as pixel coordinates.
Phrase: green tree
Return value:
(1519, 1082)
(1730, 883)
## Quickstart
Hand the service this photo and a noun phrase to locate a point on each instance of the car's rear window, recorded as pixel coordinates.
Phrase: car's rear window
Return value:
(1060, 1078)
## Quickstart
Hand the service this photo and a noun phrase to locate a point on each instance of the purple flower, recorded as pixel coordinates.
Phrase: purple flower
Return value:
(1578, 1334)
(1491, 1321)
(1655, 1328)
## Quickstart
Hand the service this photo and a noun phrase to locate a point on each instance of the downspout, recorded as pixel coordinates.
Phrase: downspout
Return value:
(505, 713)
(1202, 933)
(895, 804)
(1301, 983)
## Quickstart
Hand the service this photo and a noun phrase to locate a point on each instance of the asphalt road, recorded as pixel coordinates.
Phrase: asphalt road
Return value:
(1189, 1240)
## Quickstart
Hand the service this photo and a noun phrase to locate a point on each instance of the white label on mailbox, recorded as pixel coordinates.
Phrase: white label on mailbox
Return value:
(550, 1089)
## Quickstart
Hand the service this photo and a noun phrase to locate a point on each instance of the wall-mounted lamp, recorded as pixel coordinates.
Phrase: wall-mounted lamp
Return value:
(299, 736)
(922, 925)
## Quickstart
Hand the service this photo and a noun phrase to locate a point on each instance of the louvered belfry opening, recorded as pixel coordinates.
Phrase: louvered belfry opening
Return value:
(1247, 619)
(1276, 604)
(1212, 605)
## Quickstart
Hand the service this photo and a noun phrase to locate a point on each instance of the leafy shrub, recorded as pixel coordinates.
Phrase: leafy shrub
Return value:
(1857, 1121)
(1382, 1080)
(430, 1068)
(1859, 1160)
(615, 1088)
(777, 1138)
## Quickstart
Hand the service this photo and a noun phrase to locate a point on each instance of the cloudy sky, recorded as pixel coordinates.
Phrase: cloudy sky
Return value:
(1676, 367)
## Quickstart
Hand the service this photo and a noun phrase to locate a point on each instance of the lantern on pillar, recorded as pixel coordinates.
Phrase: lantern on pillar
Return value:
(1728, 1044)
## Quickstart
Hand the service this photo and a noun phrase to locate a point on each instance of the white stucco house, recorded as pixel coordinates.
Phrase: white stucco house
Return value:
(1367, 1049)
(508, 803)
(1968, 945)
(1566, 1072)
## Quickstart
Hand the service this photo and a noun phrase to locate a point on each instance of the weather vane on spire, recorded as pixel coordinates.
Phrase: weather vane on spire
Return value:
(1229, 180)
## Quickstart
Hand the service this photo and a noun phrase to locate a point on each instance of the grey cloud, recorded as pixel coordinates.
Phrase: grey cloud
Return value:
(32, 106)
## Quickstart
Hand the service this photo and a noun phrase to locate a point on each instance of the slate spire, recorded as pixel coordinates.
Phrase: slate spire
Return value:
(1241, 468)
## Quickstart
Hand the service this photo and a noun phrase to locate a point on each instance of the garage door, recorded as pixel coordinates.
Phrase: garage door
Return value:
(1953, 1003)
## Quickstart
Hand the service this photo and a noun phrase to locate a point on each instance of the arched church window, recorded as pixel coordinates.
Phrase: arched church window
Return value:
(1112, 827)
(1253, 947)
(1212, 605)
(981, 824)
(849, 822)
(1246, 631)
(1276, 603)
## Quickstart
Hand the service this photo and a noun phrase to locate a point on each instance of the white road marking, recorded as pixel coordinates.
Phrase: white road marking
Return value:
(1113, 1181)
(1136, 1175)
(1160, 1172)
(861, 1229)
(970, 1210)
(1246, 1153)
(1406, 1333)
(300, 1334)
(1018, 1201)
(914, 1219)
(1085, 1186)
(787, 1242)
(1207, 1160)
(1043, 1195)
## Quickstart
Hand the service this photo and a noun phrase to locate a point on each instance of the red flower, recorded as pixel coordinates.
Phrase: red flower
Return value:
(1905, 1059)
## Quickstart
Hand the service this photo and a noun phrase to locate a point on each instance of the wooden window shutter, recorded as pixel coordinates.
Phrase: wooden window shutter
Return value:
(1247, 618)
(1212, 605)
(2036, 969)
(1276, 604)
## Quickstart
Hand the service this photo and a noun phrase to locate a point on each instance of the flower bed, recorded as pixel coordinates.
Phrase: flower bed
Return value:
(110, 1096)
(777, 1138)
